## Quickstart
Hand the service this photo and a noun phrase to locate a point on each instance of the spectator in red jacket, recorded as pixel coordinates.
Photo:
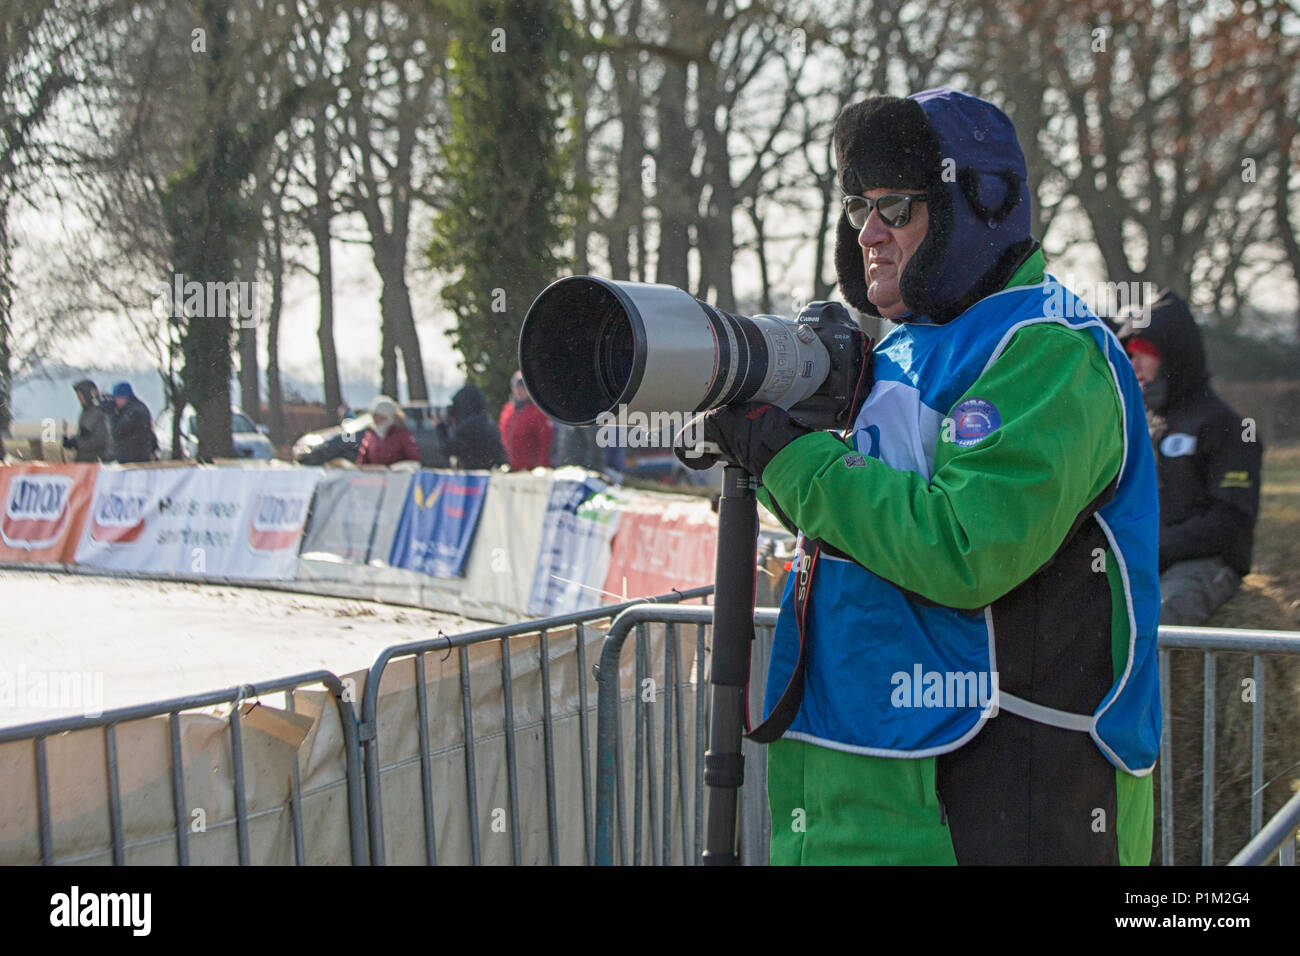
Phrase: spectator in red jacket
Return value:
(518, 395)
(387, 440)
(528, 431)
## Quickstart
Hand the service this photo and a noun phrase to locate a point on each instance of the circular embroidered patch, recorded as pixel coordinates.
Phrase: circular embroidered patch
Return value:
(973, 421)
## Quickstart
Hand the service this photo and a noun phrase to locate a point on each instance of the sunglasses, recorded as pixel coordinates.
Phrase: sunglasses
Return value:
(895, 209)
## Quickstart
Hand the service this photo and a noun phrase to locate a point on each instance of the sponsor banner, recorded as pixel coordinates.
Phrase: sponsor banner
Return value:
(437, 524)
(396, 492)
(343, 515)
(218, 522)
(44, 507)
(579, 522)
(660, 547)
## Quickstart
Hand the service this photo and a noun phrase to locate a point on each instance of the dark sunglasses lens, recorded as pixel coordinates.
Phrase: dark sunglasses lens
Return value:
(895, 210)
(857, 210)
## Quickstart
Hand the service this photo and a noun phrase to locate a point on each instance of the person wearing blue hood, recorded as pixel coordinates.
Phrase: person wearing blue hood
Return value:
(132, 426)
(964, 666)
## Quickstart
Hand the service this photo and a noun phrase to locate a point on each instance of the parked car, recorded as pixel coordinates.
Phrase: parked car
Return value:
(344, 441)
(249, 439)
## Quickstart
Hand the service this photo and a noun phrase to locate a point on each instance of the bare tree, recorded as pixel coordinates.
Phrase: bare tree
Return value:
(394, 105)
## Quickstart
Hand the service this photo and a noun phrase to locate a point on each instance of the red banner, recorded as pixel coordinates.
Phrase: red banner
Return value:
(658, 548)
(44, 510)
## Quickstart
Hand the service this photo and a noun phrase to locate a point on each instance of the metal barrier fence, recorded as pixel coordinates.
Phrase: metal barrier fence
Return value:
(653, 792)
(1279, 836)
(665, 813)
(507, 818)
(653, 835)
(39, 733)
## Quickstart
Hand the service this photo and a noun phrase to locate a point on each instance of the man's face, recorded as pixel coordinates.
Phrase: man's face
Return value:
(518, 390)
(1147, 367)
(887, 250)
(119, 400)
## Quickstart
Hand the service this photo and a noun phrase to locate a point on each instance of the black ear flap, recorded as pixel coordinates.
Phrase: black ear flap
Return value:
(968, 179)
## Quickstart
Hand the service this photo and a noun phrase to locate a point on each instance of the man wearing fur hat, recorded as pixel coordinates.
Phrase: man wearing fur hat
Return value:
(971, 674)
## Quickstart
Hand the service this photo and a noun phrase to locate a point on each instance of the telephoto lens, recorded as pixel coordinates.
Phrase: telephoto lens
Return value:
(590, 346)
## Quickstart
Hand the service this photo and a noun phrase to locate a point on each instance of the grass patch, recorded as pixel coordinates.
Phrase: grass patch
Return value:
(1269, 596)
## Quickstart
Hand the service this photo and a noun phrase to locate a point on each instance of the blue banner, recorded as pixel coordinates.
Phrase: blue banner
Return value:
(437, 525)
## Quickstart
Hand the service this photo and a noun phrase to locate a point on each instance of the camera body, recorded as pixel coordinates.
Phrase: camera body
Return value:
(848, 349)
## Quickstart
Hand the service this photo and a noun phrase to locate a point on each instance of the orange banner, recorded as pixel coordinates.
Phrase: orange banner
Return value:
(658, 548)
(45, 508)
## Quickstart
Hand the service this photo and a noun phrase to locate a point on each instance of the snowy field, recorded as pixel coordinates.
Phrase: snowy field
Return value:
(73, 644)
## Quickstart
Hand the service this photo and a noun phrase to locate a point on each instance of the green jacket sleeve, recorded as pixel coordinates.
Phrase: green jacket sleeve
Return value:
(991, 514)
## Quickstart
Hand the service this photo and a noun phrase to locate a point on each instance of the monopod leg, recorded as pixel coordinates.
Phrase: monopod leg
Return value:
(733, 634)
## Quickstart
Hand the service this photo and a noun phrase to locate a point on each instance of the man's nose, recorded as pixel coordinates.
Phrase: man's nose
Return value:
(873, 231)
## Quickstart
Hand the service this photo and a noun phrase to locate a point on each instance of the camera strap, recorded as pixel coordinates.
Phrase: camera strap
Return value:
(783, 714)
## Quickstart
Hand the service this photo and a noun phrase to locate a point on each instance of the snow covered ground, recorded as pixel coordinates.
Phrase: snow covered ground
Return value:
(73, 644)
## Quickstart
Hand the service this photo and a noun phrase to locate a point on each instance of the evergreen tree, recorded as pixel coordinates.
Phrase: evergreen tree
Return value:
(504, 216)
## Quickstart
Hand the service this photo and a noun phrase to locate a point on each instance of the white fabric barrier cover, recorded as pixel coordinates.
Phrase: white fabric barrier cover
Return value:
(499, 571)
(208, 521)
(580, 521)
(343, 514)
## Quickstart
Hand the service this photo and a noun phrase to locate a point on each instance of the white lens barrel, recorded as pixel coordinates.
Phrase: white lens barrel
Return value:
(590, 346)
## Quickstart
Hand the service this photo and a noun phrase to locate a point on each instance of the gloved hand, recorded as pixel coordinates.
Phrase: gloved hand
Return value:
(749, 435)
(69, 442)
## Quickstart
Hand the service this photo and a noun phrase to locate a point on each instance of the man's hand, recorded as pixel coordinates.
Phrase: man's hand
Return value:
(749, 435)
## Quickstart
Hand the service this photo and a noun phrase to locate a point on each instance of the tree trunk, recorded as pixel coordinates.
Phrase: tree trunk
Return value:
(760, 243)
(274, 388)
(322, 214)
(674, 192)
(6, 304)
(1286, 233)
(717, 234)
(250, 397)
(626, 234)
(398, 322)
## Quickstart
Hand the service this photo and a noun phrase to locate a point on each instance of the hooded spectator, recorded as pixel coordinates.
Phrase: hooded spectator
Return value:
(468, 435)
(131, 426)
(387, 440)
(1207, 464)
(93, 441)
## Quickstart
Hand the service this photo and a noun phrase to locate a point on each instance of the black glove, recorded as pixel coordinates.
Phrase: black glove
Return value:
(749, 435)
(69, 441)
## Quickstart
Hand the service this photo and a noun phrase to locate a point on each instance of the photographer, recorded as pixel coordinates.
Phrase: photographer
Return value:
(989, 517)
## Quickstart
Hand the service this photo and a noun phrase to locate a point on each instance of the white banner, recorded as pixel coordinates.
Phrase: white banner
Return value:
(220, 522)
(580, 521)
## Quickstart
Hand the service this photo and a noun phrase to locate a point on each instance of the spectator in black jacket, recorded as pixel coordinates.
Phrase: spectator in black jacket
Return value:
(132, 426)
(1207, 464)
(469, 435)
(92, 441)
